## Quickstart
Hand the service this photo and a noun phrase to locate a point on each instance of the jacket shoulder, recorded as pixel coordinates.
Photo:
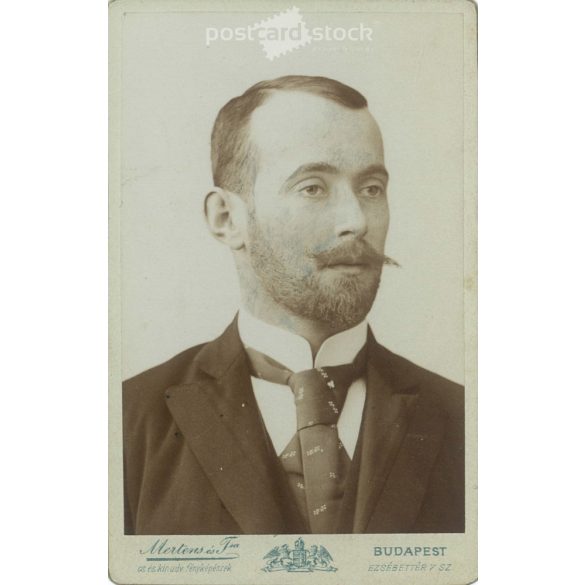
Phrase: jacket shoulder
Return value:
(140, 391)
(436, 388)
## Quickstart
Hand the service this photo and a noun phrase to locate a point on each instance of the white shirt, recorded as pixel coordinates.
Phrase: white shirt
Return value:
(276, 401)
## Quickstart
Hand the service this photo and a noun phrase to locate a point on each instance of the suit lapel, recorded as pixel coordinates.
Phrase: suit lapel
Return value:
(400, 444)
(217, 414)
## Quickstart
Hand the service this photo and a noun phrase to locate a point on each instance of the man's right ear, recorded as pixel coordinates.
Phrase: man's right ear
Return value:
(225, 213)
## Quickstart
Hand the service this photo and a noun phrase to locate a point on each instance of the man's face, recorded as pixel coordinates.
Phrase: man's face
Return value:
(318, 215)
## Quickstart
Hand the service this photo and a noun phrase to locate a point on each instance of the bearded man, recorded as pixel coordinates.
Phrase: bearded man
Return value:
(295, 420)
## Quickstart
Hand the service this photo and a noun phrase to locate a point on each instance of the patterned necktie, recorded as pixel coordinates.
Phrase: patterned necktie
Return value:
(315, 460)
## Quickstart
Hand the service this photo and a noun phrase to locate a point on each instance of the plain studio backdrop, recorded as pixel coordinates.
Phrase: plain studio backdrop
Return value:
(179, 286)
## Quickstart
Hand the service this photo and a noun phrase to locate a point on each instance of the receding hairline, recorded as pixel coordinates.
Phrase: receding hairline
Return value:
(326, 87)
(278, 101)
(283, 95)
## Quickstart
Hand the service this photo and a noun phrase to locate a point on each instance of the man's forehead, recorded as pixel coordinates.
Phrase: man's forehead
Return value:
(297, 127)
(281, 102)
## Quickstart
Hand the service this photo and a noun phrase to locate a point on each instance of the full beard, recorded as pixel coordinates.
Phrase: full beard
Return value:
(300, 281)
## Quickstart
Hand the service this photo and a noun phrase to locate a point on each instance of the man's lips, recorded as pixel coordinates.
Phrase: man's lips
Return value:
(348, 265)
(347, 260)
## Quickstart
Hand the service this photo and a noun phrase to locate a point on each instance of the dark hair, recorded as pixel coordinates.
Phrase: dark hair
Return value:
(232, 158)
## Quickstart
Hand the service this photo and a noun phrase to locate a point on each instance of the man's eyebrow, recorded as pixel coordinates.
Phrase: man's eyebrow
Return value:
(318, 167)
(323, 167)
(374, 170)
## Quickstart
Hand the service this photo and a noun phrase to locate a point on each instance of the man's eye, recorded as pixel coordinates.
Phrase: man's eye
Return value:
(371, 191)
(313, 190)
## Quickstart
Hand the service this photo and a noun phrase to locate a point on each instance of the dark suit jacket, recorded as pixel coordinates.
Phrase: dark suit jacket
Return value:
(197, 458)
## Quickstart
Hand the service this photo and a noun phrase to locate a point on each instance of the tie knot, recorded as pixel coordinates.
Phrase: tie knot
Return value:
(320, 394)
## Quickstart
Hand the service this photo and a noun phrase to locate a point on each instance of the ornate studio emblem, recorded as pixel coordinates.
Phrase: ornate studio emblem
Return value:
(299, 559)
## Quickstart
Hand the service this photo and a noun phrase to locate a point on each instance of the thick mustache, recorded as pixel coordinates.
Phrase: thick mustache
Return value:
(352, 253)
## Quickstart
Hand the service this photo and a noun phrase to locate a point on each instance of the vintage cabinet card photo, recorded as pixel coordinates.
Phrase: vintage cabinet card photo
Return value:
(293, 277)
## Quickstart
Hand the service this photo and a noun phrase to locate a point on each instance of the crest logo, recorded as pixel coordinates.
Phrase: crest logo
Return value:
(299, 559)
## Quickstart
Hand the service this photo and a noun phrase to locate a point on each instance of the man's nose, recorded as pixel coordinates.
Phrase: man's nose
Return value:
(350, 219)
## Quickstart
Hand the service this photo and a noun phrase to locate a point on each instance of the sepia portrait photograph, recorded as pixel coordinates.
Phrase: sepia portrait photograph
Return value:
(293, 286)
(242, 297)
